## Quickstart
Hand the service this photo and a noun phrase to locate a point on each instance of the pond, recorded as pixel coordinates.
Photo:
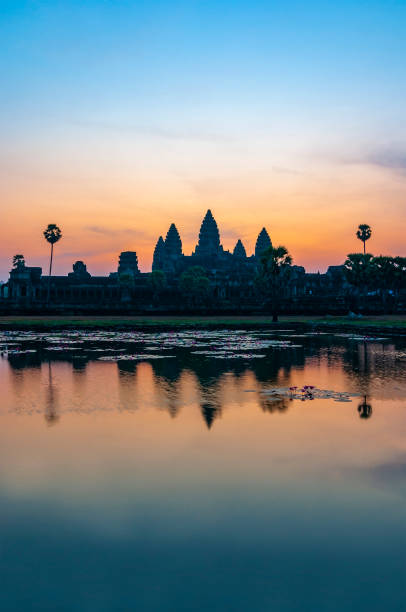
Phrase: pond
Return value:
(218, 470)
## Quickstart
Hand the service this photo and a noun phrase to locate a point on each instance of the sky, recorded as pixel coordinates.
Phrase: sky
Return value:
(120, 117)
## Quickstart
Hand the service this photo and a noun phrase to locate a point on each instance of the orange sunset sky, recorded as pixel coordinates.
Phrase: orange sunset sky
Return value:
(118, 121)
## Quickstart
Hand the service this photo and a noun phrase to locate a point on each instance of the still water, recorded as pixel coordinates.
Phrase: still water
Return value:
(181, 472)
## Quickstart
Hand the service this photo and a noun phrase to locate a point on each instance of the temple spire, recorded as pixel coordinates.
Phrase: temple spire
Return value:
(173, 243)
(209, 237)
(159, 255)
(263, 242)
(239, 250)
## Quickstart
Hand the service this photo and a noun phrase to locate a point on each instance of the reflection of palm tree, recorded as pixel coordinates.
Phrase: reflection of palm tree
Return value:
(51, 414)
(365, 409)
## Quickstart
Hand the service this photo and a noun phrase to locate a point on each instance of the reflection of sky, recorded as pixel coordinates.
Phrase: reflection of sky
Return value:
(118, 118)
(128, 496)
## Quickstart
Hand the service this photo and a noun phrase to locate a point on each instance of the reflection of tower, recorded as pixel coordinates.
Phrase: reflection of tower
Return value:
(167, 374)
(209, 413)
(365, 409)
(208, 374)
(51, 413)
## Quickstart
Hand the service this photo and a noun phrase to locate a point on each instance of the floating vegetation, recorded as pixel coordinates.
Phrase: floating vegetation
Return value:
(359, 338)
(62, 348)
(308, 392)
(133, 357)
(227, 355)
(136, 345)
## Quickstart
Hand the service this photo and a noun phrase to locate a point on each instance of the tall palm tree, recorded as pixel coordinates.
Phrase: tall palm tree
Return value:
(52, 234)
(364, 233)
(18, 262)
(359, 271)
(274, 274)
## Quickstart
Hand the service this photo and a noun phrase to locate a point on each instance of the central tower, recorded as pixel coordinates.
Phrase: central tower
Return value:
(209, 237)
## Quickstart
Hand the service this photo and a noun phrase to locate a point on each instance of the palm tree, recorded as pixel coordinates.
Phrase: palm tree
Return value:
(52, 234)
(358, 269)
(18, 262)
(364, 233)
(273, 273)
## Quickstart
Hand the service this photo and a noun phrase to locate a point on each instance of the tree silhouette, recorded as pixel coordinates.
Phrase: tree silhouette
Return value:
(194, 285)
(273, 274)
(18, 262)
(52, 234)
(358, 269)
(157, 282)
(364, 233)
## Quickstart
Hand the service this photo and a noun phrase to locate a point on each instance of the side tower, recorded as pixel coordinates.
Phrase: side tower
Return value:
(159, 255)
(209, 237)
(172, 250)
(263, 243)
(239, 250)
(128, 263)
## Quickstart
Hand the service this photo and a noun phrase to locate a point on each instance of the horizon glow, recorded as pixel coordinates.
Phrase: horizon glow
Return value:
(118, 118)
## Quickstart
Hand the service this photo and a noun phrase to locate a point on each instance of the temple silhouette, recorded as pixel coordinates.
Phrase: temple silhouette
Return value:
(231, 277)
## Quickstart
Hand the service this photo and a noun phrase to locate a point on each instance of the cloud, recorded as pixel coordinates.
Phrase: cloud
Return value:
(157, 131)
(107, 231)
(389, 158)
(283, 170)
(394, 159)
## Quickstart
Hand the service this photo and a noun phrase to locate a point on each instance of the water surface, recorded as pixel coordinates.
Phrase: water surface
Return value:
(174, 481)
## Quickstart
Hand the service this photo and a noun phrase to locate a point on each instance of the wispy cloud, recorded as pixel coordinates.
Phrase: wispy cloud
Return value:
(394, 159)
(107, 231)
(283, 170)
(390, 158)
(157, 131)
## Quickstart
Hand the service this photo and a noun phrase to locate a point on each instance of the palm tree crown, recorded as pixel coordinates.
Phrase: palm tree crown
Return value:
(52, 233)
(275, 259)
(273, 273)
(364, 233)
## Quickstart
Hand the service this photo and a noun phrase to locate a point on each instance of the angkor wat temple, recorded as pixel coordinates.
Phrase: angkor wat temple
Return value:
(231, 277)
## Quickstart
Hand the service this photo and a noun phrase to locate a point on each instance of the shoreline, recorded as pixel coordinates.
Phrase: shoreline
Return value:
(386, 324)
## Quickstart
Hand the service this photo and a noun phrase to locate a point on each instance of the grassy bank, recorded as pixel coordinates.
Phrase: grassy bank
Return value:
(396, 323)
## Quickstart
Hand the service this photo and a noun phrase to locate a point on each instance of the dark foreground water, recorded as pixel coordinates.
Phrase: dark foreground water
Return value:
(186, 475)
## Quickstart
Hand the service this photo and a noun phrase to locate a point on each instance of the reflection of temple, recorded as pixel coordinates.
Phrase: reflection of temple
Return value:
(231, 277)
(205, 378)
(214, 385)
(171, 384)
(211, 376)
